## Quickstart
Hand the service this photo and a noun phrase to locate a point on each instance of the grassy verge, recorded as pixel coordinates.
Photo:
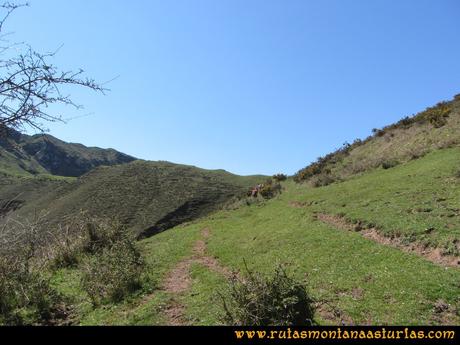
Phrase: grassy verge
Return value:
(360, 281)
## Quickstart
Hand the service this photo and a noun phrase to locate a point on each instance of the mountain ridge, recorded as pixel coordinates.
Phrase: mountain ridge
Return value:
(30, 155)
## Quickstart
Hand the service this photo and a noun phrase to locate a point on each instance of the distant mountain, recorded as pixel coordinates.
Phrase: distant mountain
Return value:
(27, 155)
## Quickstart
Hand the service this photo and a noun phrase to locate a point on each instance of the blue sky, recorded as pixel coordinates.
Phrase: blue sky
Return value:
(244, 85)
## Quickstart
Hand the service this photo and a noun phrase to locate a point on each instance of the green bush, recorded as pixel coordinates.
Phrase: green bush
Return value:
(65, 249)
(26, 296)
(103, 233)
(322, 180)
(83, 235)
(323, 164)
(280, 177)
(438, 114)
(276, 300)
(113, 273)
(65, 257)
(269, 189)
(389, 164)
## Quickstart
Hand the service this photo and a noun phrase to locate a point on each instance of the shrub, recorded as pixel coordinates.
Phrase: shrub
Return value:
(270, 189)
(259, 300)
(438, 114)
(322, 180)
(103, 233)
(378, 132)
(323, 164)
(451, 247)
(280, 177)
(438, 121)
(83, 235)
(417, 152)
(26, 296)
(66, 247)
(405, 122)
(113, 273)
(389, 164)
(65, 256)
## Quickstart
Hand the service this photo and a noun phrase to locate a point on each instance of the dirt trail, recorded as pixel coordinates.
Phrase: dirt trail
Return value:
(178, 280)
(431, 254)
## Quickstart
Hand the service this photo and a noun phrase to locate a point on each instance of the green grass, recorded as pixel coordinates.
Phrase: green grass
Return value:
(203, 302)
(144, 307)
(397, 287)
(362, 280)
(394, 287)
(407, 200)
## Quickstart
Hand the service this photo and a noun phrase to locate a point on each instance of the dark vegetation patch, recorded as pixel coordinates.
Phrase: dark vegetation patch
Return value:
(105, 252)
(9, 206)
(280, 177)
(322, 165)
(389, 164)
(180, 215)
(26, 295)
(113, 273)
(270, 189)
(274, 300)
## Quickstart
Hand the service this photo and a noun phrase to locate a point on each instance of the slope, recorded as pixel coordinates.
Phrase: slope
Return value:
(148, 197)
(410, 138)
(354, 279)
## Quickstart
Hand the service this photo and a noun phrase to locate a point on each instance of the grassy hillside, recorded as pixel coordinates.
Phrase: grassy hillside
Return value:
(375, 233)
(26, 155)
(353, 278)
(411, 138)
(148, 197)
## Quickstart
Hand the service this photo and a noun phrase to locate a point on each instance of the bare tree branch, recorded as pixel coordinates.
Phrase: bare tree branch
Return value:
(30, 83)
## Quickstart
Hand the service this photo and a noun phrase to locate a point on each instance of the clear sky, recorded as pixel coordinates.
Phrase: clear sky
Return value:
(244, 85)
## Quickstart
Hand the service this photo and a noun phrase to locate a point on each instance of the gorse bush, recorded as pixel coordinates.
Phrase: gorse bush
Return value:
(388, 164)
(67, 244)
(438, 115)
(280, 177)
(323, 164)
(102, 233)
(113, 274)
(115, 266)
(259, 300)
(270, 189)
(82, 236)
(104, 250)
(322, 180)
(26, 295)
